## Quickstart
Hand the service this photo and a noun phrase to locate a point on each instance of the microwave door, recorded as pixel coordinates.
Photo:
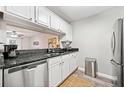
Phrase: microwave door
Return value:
(117, 35)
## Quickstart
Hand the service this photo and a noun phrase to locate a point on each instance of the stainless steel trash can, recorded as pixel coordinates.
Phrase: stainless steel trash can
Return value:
(90, 67)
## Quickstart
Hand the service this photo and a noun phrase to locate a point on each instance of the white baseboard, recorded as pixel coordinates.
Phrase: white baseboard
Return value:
(81, 69)
(100, 74)
(106, 76)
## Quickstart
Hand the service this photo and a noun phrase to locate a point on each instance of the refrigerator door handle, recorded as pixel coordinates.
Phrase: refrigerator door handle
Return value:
(114, 42)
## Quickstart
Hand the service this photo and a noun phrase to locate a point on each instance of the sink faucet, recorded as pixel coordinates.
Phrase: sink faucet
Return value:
(49, 47)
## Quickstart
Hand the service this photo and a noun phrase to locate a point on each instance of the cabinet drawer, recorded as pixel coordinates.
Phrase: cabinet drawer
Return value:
(53, 61)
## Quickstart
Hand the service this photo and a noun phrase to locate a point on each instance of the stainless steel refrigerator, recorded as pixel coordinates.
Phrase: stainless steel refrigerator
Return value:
(117, 46)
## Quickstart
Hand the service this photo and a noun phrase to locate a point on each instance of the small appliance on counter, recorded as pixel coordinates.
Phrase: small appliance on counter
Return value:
(1, 58)
(10, 51)
(66, 44)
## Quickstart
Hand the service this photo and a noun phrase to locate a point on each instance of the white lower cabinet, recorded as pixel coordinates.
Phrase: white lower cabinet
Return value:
(41, 76)
(0, 77)
(65, 66)
(73, 62)
(54, 73)
(60, 68)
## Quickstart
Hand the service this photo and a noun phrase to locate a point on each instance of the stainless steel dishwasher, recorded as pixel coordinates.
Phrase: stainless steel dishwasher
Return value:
(30, 75)
(0, 77)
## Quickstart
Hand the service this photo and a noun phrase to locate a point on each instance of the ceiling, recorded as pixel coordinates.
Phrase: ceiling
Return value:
(75, 13)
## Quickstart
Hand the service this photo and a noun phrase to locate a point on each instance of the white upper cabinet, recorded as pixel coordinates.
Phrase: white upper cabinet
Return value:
(2, 37)
(63, 26)
(55, 22)
(26, 12)
(2, 34)
(67, 29)
(43, 15)
(60, 25)
(69, 33)
(2, 8)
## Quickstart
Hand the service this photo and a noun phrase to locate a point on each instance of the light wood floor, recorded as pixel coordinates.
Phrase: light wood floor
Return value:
(74, 81)
(78, 79)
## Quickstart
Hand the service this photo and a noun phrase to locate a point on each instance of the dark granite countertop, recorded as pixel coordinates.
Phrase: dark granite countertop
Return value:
(31, 57)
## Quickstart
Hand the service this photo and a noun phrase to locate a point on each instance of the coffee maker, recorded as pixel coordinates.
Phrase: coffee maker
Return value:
(10, 51)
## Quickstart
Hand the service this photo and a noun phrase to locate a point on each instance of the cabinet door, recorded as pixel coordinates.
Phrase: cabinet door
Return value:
(25, 12)
(0, 77)
(2, 8)
(71, 63)
(29, 77)
(55, 75)
(43, 15)
(41, 76)
(65, 66)
(55, 22)
(69, 33)
(2, 33)
(67, 29)
(75, 60)
(63, 27)
(2, 36)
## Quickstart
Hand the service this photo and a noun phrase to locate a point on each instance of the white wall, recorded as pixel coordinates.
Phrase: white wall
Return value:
(43, 40)
(93, 38)
(26, 42)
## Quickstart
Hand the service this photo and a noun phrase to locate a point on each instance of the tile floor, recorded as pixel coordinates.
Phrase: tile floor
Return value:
(79, 79)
